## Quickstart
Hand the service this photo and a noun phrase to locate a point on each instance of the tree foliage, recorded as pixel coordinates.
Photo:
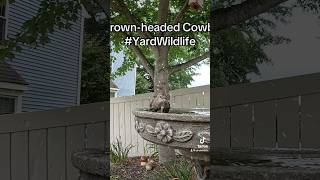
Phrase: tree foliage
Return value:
(241, 29)
(95, 73)
(147, 12)
(181, 79)
(238, 49)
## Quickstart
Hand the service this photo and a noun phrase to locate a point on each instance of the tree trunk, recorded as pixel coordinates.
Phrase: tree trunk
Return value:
(161, 97)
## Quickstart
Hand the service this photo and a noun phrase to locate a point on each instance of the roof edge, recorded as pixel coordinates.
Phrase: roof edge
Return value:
(13, 86)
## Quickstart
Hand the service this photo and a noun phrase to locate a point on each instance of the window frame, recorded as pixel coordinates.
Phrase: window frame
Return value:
(16, 95)
(15, 98)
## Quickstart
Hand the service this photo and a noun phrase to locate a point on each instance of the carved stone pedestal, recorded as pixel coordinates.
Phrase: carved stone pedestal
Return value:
(185, 130)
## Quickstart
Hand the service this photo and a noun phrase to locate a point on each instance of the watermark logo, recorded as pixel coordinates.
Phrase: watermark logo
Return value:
(201, 147)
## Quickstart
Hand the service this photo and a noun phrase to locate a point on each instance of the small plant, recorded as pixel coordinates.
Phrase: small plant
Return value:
(179, 169)
(114, 177)
(118, 153)
(152, 150)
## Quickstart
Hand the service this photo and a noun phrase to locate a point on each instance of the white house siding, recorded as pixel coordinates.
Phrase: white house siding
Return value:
(51, 71)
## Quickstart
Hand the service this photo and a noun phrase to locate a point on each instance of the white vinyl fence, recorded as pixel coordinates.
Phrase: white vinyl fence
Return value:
(39, 145)
(122, 119)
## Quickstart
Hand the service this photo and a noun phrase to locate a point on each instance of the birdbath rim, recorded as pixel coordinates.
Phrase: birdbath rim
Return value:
(176, 114)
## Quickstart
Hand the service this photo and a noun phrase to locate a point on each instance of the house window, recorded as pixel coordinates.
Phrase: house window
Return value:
(3, 20)
(7, 105)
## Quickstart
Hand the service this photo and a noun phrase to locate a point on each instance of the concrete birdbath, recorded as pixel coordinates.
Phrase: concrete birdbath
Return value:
(187, 130)
(265, 163)
(92, 164)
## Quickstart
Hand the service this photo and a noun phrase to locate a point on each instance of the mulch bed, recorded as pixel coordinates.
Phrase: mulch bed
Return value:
(131, 169)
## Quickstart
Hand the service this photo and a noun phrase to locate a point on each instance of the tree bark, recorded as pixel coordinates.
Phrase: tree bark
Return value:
(188, 63)
(161, 98)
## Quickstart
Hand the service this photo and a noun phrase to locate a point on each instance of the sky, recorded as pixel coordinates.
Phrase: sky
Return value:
(202, 77)
(300, 56)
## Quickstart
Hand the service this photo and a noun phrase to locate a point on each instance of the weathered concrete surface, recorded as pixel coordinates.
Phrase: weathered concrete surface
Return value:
(166, 154)
(93, 164)
(262, 173)
(265, 164)
(178, 131)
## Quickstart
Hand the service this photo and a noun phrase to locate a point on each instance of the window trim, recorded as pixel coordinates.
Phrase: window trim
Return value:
(16, 95)
(15, 98)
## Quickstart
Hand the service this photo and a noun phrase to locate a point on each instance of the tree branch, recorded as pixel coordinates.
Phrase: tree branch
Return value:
(163, 11)
(122, 8)
(179, 16)
(143, 60)
(183, 10)
(189, 63)
(236, 14)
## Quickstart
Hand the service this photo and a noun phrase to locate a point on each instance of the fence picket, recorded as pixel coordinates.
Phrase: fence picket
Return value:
(111, 122)
(19, 156)
(127, 124)
(38, 154)
(288, 123)
(265, 124)
(310, 121)
(96, 136)
(122, 122)
(134, 151)
(221, 128)
(5, 156)
(57, 154)
(241, 126)
(74, 142)
(116, 124)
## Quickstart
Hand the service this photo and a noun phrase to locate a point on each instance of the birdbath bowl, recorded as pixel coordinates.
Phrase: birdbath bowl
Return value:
(187, 130)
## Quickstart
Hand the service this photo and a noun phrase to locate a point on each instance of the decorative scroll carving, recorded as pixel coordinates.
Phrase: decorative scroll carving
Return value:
(164, 132)
(150, 130)
(139, 126)
(183, 136)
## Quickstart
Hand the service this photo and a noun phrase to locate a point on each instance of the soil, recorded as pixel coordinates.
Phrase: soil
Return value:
(131, 169)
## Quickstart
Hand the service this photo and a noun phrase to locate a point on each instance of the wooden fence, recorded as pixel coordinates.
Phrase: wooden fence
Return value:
(122, 120)
(283, 113)
(38, 145)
